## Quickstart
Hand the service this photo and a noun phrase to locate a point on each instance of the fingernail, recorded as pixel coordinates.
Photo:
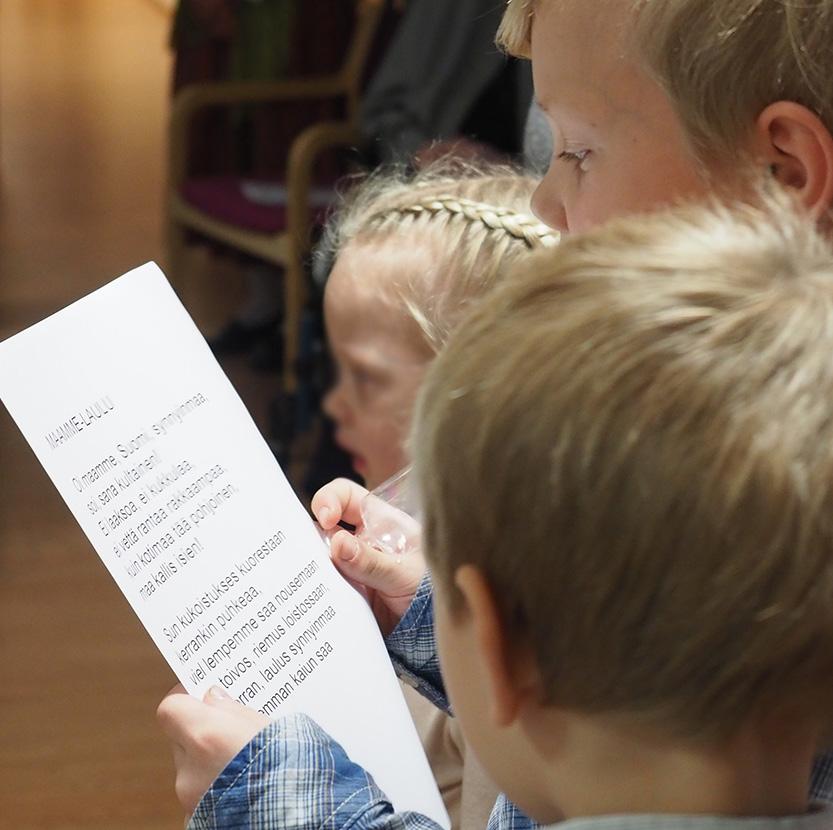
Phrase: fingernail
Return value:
(324, 515)
(350, 550)
(219, 693)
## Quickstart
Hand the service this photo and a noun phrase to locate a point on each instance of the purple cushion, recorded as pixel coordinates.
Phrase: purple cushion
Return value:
(223, 198)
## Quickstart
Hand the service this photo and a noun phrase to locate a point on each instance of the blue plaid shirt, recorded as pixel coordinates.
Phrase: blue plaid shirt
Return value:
(293, 776)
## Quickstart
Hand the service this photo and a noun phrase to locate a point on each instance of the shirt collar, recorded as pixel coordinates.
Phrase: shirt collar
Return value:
(821, 818)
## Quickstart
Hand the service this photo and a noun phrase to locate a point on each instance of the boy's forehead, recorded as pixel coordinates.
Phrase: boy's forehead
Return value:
(578, 50)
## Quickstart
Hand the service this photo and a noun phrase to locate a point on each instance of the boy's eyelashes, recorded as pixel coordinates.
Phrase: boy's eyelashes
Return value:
(575, 157)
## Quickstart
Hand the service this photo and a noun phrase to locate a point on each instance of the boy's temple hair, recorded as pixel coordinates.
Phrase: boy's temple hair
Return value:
(720, 61)
(632, 438)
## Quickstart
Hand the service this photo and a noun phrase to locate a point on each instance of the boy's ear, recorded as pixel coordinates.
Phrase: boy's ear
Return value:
(511, 671)
(798, 148)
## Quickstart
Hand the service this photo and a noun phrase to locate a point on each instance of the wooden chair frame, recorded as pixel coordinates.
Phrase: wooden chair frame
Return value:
(287, 248)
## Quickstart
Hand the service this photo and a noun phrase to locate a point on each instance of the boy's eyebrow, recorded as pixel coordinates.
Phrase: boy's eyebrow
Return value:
(583, 108)
(570, 118)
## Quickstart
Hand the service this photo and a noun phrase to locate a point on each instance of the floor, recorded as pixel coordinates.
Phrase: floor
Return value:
(83, 96)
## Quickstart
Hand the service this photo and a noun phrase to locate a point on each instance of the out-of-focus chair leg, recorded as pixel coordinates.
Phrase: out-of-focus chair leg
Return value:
(176, 257)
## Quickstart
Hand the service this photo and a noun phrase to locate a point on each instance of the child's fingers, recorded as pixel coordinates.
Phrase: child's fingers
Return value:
(367, 566)
(218, 724)
(340, 500)
(178, 714)
(206, 735)
(219, 698)
(239, 718)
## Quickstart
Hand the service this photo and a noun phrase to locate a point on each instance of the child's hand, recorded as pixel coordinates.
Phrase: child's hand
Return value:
(206, 734)
(389, 582)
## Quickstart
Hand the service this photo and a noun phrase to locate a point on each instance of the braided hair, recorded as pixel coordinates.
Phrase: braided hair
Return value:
(519, 225)
(470, 222)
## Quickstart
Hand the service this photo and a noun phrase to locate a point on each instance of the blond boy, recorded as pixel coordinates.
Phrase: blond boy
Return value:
(627, 476)
(653, 101)
(631, 541)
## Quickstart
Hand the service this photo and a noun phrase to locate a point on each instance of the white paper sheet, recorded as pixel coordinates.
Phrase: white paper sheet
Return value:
(159, 461)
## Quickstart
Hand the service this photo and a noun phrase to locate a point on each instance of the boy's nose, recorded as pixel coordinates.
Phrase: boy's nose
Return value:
(547, 204)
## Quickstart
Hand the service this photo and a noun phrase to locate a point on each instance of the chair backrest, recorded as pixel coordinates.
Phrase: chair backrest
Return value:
(368, 17)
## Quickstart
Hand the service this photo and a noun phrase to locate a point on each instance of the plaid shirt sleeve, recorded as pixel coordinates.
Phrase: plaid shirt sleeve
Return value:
(294, 776)
(506, 816)
(821, 784)
(413, 648)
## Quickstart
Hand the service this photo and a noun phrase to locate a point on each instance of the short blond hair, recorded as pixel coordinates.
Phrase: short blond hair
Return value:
(633, 439)
(473, 220)
(722, 62)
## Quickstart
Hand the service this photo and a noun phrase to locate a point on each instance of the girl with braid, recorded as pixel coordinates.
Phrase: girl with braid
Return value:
(410, 256)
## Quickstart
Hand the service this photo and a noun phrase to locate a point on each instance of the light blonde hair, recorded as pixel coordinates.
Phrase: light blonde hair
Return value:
(722, 62)
(472, 220)
(633, 439)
